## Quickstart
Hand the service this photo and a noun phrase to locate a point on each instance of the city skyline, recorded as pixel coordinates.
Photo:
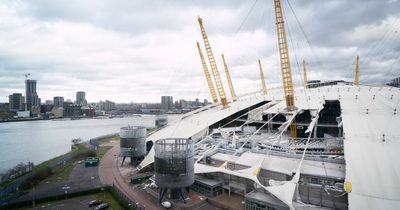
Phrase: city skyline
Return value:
(137, 54)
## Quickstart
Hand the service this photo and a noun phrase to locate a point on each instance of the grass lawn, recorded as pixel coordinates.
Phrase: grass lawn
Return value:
(62, 172)
(102, 150)
(107, 140)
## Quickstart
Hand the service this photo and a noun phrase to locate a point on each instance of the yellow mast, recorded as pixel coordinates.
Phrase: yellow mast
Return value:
(285, 64)
(228, 77)
(357, 72)
(214, 69)
(208, 76)
(264, 87)
(305, 74)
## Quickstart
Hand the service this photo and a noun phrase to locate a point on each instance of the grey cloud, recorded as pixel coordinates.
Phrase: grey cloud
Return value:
(138, 50)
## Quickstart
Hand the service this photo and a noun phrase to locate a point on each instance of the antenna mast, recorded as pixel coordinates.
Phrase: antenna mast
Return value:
(208, 76)
(228, 77)
(285, 64)
(214, 68)
(264, 87)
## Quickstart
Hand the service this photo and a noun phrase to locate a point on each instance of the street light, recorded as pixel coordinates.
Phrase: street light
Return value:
(33, 199)
(104, 193)
(65, 188)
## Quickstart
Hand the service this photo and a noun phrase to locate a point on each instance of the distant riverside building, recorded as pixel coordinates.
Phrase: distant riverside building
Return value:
(81, 98)
(58, 101)
(57, 112)
(16, 102)
(32, 98)
(395, 82)
(73, 110)
(107, 105)
(49, 102)
(167, 103)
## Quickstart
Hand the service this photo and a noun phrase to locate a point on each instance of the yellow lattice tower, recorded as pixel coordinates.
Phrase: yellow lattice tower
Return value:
(207, 74)
(357, 72)
(305, 75)
(264, 87)
(228, 77)
(285, 64)
(213, 64)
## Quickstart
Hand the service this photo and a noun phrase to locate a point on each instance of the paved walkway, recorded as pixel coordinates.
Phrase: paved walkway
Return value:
(109, 174)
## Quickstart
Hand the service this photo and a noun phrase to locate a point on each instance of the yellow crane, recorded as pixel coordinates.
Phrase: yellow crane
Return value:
(305, 75)
(228, 77)
(213, 64)
(207, 74)
(264, 87)
(285, 64)
(357, 72)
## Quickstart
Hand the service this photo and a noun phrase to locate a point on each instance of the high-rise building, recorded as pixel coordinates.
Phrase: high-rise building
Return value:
(395, 82)
(81, 98)
(32, 98)
(58, 101)
(107, 105)
(16, 102)
(167, 103)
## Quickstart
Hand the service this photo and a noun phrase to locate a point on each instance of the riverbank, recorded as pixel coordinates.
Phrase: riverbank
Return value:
(38, 141)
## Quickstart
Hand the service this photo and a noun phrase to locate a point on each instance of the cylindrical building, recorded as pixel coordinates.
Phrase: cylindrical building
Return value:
(133, 141)
(173, 164)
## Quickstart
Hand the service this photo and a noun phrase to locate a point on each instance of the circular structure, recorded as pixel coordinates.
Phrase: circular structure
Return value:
(174, 163)
(133, 141)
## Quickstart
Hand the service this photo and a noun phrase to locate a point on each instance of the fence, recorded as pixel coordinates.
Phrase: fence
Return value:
(5, 191)
(93, 142)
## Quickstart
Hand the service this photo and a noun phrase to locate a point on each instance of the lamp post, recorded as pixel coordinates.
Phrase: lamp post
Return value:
(65, 188)
(33, 199)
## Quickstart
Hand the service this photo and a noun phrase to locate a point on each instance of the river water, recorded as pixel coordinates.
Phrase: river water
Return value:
(37, 141)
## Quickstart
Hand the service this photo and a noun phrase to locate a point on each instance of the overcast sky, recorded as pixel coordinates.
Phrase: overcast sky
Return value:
(138, 50)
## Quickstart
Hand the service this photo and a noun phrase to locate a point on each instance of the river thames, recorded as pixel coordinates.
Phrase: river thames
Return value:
(37, 141)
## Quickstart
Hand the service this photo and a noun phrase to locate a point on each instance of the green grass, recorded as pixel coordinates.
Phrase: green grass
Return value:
(102, 150)
(62, 172)
(107, 140)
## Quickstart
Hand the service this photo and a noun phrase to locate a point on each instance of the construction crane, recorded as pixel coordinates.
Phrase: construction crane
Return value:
(213, 64)
(357, 72)
(228, 77)
(285, 64)
(305, 75)
(207, 74)
(264, 87)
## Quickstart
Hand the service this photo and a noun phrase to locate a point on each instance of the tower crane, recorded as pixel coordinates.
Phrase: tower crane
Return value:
(228, 77)
(285, 64)
(207, 74)
(357, 72)
(305, 75)
(264, 87)
(214, 68)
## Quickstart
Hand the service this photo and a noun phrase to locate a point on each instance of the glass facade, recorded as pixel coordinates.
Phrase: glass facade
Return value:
(209, 191)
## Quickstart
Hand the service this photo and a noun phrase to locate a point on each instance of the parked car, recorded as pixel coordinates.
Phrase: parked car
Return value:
(102, 206)
(166, 204)
(94, 203)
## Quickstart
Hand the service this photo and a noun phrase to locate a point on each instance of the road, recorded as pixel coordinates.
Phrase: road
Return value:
(109, 174)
